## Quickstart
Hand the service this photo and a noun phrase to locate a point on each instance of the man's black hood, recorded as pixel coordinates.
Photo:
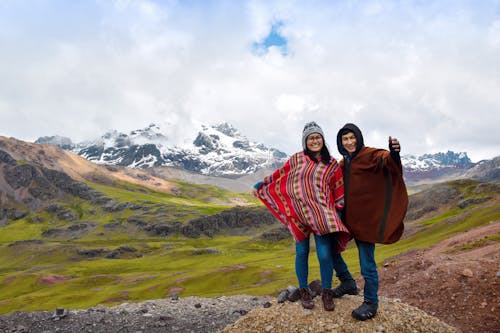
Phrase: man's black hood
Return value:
(359, 139)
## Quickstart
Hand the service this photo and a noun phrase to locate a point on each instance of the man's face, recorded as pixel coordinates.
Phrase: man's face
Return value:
(349, 142)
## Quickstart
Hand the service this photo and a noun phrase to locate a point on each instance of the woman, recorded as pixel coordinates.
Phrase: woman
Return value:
(305, 194)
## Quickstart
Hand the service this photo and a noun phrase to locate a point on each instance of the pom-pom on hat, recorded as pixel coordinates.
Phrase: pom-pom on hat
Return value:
(310, 128)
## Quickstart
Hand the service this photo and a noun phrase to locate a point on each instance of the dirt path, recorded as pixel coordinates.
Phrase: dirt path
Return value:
(457, 280)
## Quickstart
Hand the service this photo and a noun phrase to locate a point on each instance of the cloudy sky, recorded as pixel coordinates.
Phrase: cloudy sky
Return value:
(426, 72)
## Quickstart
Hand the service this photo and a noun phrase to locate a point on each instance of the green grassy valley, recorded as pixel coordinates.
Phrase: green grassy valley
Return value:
(80, 253)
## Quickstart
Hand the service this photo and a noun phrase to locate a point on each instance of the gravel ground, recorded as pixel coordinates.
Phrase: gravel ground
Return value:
(190, 314)
(233, 314)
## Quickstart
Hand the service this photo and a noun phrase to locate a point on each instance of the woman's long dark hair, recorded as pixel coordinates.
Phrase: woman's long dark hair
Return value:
(325, 154)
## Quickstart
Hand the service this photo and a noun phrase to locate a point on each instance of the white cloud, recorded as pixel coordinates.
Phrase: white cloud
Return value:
(426, 73)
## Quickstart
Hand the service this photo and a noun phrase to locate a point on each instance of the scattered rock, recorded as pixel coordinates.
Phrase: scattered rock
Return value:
(190, 314)
(473, 201)
(467, 272)
(197, 252)
(123, 252)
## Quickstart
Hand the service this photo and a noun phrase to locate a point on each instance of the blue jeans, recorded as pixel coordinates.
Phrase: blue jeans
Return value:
(366, 252)
(324, 253)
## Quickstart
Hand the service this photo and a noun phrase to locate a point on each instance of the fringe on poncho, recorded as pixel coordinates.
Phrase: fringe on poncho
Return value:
(305, 195)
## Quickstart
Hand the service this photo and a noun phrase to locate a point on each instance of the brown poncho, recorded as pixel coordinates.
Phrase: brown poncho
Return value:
(375, 194)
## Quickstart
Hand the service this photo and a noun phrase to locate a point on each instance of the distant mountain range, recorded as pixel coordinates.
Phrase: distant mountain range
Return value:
(221, 150)
(218, 150)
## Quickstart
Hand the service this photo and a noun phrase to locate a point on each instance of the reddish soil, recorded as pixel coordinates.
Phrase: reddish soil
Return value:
(458, 284)
(52, 279)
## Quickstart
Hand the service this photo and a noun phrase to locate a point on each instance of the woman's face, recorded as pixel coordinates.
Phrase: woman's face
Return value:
(314, 142)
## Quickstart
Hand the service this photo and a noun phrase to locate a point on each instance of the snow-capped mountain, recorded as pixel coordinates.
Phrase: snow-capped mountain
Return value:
(221, 150)
(435, 167)
(436, 161)
(218, 150)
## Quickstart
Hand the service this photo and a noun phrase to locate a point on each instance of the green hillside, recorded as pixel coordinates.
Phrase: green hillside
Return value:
(79, 254)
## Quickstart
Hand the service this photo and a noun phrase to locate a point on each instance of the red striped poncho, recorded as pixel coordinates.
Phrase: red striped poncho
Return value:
(304, 195)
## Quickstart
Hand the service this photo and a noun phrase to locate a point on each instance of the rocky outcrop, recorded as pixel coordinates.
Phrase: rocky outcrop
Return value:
(486, 171)
(31, 184)
(276, 234)
(392, 316)
(431, 200)
(231, 220)
(73, 231)
(6, 158)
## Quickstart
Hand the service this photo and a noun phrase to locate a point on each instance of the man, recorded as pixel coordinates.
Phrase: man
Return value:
(375, 205)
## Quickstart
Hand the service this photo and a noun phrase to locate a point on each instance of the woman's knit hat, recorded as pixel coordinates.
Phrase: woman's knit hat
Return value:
(310, 128)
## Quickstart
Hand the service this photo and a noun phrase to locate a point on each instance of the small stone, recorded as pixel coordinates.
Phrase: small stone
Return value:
(498, 274)
(467, 272)
(307, 312)
(269, 328)
(197, 305)
(380, 329)
(282, 297)
(266, 305)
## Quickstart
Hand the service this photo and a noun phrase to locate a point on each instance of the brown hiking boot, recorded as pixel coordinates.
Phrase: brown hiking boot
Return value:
(327, 297)
(306, 299)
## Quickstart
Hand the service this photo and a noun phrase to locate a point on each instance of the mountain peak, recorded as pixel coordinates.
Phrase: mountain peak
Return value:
(227, 129)
(439, 160)
(56, 140)
(218, 150)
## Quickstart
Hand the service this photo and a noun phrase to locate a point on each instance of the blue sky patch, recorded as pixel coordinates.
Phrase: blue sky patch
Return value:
(274, 38)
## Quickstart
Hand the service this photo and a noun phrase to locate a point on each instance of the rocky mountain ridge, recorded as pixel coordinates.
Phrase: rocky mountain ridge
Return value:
(218, 150)
(33, 181)
(221, 150)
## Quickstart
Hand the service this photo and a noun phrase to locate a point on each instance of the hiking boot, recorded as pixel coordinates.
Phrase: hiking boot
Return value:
(365, 311)
(327, 297)
(306, 299)
(315, 288)
(347, 287)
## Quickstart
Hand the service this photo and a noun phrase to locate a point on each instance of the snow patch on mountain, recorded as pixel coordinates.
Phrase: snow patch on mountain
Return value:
(219, 150)
(428, 162)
